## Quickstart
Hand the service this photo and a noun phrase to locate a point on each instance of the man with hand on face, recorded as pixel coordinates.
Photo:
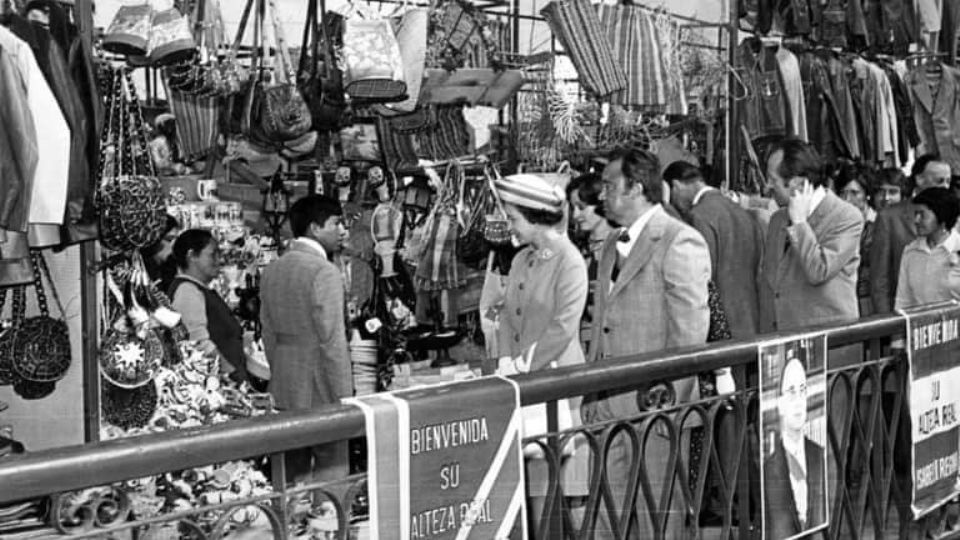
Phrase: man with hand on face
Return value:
(812, 249)
(895, 228)
(304, 330)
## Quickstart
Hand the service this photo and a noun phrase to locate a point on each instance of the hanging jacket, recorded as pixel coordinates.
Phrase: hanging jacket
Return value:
(764, 110)
(18, 148)
(906, 126)
(937, 112)
(832, 30)
(792, 17)
(823, 120)
(838, 71)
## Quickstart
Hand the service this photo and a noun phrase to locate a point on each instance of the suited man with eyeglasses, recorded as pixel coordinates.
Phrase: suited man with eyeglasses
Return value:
(793, 474)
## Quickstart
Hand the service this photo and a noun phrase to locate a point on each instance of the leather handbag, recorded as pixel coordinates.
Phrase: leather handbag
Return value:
(129, 198)
(281, 114)
(319, 79)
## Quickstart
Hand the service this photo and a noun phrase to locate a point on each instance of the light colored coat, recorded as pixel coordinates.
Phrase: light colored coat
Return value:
(659, 301)
(304, 334)
(543, 302)
(814, 280)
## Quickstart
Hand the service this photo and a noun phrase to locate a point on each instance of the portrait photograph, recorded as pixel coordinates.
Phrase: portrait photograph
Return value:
(793, 427)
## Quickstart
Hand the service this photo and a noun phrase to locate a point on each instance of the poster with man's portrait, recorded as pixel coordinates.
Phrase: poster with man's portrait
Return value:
(793, 430)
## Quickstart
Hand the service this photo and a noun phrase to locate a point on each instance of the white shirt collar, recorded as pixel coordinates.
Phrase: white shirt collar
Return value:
(313, 244)
(699, 195)
(636, 228)
(950, 244)
(819, 194)
(870, 216)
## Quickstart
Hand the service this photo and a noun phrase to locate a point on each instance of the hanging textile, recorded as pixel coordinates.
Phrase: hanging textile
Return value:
(935, 90)
(632, 35)
(576, 25)
(197, 119)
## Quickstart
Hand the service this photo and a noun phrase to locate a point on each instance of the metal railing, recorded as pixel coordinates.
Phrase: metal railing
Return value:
(714, 496)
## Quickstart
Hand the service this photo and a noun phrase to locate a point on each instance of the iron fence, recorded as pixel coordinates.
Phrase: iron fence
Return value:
(663, 488)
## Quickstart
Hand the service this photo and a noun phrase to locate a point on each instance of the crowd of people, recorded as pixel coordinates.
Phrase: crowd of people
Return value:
(661, 260)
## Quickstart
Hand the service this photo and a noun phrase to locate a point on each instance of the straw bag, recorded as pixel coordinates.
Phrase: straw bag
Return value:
(6, 338)
(171, 39)
(576, 25)
(130, 198)
(41, 344)
(129, 31)
(372, 64)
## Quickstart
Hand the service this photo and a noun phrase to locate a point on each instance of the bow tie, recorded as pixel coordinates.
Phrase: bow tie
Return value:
(624, 236)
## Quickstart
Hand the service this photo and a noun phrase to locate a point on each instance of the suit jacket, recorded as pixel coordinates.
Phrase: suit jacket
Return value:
(809, 271)
(658, 301)
(780, 509)
(304, 334)
(892, 231)
(735, 241)
(936, 114)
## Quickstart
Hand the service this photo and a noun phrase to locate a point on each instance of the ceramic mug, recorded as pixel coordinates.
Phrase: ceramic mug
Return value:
(206, 190)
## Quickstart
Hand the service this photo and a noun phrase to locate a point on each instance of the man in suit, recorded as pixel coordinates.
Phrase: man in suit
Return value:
(304, 333)
(812, 251)
(793, 473)
(734, 238)
(651, 295)
(894, 229)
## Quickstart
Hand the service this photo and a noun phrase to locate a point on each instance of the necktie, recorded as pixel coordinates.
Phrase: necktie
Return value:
(798, 481)
(622, 238)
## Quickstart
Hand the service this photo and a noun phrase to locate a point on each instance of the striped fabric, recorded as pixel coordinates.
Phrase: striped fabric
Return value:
(576, 25)
(530, 191)
(632, 35)
(438, 269)
(197, 120)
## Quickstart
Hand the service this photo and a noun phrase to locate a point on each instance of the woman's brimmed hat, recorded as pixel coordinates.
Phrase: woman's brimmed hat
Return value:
(530, 191)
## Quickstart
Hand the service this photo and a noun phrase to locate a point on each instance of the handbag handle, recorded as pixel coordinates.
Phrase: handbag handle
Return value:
(234, 51)
(41, 271)
(309, 41)
(283, 53)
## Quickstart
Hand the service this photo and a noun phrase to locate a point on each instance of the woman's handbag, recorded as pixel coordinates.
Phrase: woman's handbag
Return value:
(319, 78)
(373, 67)
(576, 25)
(496, 227)
(129, 198)
(171, 39)
(129, 31)
(41, 344)
(278, 110)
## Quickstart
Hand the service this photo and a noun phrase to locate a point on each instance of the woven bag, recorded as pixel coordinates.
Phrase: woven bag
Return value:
(41, 344)
(373, 66)
(7, 376)
(576, 24)
(130, 197)
(496, 227)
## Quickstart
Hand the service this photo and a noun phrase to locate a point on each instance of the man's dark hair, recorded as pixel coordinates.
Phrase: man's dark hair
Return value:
(312, 209)
(799, 159)
(863, 175)
(640, 167)
(920, 164)
(942, 202)
(190, 240)
(684, 172)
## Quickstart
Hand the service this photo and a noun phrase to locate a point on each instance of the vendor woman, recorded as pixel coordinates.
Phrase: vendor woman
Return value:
(207, 317)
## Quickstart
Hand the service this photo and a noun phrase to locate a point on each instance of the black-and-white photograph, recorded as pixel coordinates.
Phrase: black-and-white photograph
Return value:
(793, 427)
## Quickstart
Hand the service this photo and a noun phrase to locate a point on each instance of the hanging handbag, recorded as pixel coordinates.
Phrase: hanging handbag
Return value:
(129, 31)
(411, 31)
(320, 80)
(456, 28)
(6, 337)
(576, 25)
(281, 114)
(41, 344)
(372, 65)
(130, 198)
(496, 227)
(171, 39)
